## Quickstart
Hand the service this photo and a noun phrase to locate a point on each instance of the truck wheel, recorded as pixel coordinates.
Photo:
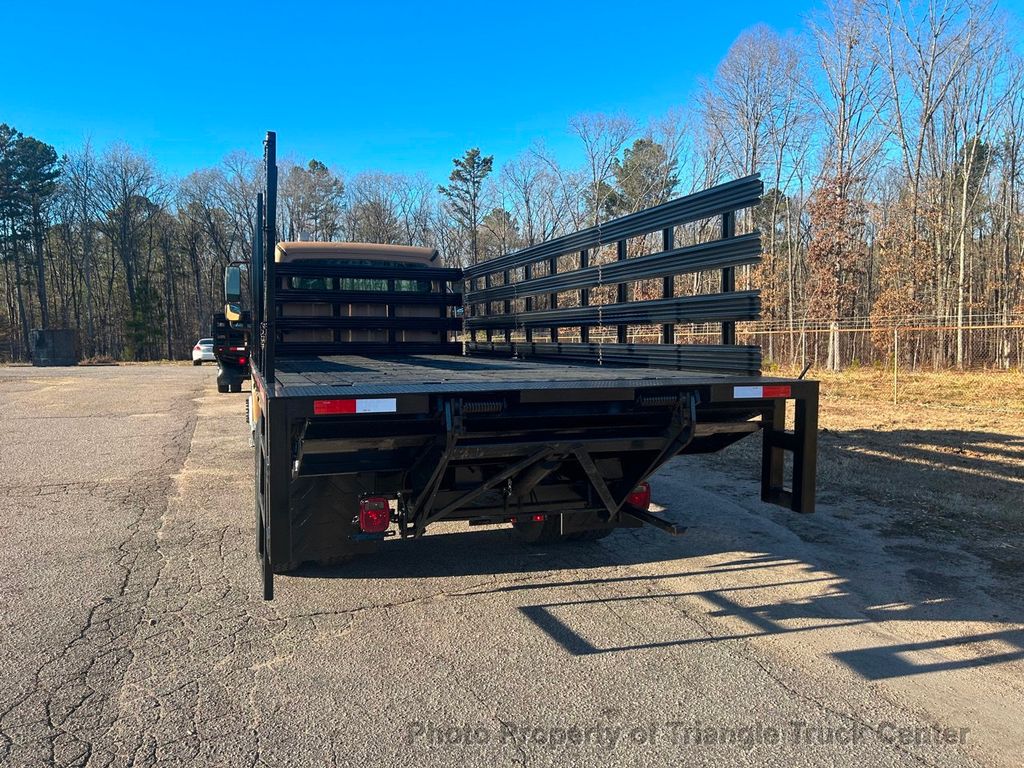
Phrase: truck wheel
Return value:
(546, 531)
(197, 362)
(222, 388)
(235, 388)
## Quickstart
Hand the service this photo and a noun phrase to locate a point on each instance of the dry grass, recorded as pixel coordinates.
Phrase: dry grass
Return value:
(952, 469)
(983, 390)
(98, 360)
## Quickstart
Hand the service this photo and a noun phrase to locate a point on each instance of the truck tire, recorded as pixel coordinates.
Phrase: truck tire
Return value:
(547, 531)
(197, 362)
(222, 388)
(235, 387)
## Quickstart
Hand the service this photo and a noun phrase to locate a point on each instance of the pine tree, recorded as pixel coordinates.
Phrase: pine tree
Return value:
(39, 171)
(645, 176)
(463, 195)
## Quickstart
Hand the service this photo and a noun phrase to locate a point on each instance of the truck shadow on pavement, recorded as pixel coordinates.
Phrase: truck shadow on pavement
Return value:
(963, 455)
(802, 616)
(564, 568)
(756, 571)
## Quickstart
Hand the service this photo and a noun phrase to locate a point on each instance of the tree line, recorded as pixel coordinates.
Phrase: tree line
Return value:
(889, 136)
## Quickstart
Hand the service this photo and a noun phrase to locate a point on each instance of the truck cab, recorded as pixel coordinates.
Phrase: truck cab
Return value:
(354, 255)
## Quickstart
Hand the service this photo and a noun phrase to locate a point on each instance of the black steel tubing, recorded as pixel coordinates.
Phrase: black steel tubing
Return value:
(398, 323)
(368, 272)
(731, 196)
(697, 357)
(368, 348)
(368, 297)
(717, 307)
(745, 249)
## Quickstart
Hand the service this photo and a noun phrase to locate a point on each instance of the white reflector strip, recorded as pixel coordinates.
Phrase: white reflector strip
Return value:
(744, 392)
(377, 405)
(768, 392)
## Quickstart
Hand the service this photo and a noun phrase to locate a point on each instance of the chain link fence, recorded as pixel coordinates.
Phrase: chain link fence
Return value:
(937, 362)
(978, 364)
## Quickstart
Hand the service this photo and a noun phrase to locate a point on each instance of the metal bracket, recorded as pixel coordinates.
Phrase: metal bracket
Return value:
(298, 449)
(802, 443)
(678, 435)
(596, 481)
(483, 488)
(658, 522)
(453, 431)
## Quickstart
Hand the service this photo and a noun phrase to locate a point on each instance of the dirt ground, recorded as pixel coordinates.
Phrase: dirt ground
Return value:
(949, 474)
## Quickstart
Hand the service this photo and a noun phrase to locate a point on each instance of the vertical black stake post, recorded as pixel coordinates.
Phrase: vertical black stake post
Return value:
(668, 288)
(275, 489)
(257, 287)
(487, 306)
(528, 305)
(392, 313)
(728, 276)
(584, 295)
(553, 297)
(471, 310)
(508, 309)
(269, 247)
(622, 294)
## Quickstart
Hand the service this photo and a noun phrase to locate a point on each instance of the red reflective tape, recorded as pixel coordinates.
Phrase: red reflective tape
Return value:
(361, 405)
(761, 393)
(327, 407)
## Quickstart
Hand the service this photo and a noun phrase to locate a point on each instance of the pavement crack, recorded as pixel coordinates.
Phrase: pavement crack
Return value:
(75, 686)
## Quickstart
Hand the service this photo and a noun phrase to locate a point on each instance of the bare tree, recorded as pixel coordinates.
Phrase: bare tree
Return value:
(847, 98)
(603, 137)
(130, 193)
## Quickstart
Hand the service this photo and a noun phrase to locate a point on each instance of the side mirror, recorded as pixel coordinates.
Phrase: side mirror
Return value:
(232, 312)
(232, 286)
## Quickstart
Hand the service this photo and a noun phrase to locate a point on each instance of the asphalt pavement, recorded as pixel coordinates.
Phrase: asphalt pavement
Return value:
(134, 632)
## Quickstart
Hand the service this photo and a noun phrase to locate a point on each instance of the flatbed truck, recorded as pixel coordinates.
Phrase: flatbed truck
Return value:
(370, 418)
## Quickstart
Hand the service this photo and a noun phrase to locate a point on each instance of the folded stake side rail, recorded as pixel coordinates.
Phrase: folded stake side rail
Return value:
(370, 421)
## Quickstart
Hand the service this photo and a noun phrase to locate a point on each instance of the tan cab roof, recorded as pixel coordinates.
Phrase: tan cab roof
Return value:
(371, 251)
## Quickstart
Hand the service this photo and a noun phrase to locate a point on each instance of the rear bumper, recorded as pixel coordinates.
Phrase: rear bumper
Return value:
(446, 457)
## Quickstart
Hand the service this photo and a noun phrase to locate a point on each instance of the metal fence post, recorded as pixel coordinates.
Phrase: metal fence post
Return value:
(895, 364)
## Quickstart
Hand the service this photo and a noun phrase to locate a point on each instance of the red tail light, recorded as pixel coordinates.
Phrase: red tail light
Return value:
(538, 518)
(196, 347)
(374, 514)
(640, 498)
(241, 361)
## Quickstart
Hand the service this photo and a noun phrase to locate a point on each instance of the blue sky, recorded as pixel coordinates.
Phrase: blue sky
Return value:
(392, 86)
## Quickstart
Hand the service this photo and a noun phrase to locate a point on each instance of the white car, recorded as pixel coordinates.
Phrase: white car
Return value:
(202, 352)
